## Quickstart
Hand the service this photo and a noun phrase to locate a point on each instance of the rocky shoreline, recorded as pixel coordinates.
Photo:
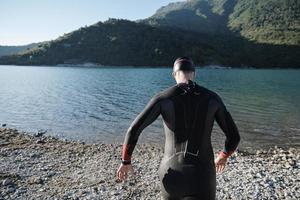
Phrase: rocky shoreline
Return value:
(44, 167)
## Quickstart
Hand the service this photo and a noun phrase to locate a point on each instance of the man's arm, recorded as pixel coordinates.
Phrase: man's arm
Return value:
(229, 128)
(145, 118)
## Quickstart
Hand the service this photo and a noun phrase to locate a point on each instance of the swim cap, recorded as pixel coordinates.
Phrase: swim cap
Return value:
(183, 63)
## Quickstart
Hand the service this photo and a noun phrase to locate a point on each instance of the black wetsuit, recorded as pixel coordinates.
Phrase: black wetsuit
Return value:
(187, 170)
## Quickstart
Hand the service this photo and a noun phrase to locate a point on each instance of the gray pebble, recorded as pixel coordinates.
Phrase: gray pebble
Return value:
(82, 171)
(7, 181)
(11, 189)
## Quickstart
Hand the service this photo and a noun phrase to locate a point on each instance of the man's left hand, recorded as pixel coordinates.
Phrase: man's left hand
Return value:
(123, 171)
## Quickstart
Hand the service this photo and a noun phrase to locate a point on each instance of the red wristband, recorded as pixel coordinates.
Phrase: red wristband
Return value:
(125, 155)
(224, 154)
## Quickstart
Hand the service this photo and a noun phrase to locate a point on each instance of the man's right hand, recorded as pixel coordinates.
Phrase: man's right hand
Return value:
(220, 163)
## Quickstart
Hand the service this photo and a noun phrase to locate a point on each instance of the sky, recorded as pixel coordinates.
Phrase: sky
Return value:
(27, 21)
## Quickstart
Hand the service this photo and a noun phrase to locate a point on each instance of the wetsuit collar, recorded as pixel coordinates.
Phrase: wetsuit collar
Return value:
(189, 84)
(187, 87)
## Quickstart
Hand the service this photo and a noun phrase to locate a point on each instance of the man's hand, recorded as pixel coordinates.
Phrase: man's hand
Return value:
(220, 163)
(123, 170)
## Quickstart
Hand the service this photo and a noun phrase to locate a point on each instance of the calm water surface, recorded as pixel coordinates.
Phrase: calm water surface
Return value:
(98, 104)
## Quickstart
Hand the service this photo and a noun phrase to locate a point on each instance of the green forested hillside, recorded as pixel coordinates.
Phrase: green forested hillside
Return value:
(233, 33)
(267, 21)
(9, 50)
(122, 42)
(114, 42)
(263, 21)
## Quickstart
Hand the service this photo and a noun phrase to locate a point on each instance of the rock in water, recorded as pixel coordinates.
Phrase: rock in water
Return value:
(40, 133)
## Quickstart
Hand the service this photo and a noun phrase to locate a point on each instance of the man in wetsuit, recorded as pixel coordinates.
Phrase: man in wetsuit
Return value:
(188, 169)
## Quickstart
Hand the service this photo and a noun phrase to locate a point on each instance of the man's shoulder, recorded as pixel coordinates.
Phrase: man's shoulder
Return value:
(209, 92)
(173, 90)
(167, 92)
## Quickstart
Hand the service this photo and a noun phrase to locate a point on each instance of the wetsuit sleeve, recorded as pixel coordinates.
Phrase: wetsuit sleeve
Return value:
(145, 118)
(226, 123)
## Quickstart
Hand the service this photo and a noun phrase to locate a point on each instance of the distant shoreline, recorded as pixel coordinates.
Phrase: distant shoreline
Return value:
(154, 67)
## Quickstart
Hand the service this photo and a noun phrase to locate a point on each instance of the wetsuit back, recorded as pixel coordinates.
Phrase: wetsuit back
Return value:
(187, 170)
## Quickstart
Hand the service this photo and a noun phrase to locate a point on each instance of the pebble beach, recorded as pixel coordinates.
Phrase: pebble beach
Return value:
(35, 166)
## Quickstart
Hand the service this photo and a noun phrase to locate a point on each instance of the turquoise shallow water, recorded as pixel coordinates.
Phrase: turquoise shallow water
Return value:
(98, 104)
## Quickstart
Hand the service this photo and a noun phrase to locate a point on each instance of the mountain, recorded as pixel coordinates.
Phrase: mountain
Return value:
(209, 31)
(10, 50)
(114, 42)
(267, 21)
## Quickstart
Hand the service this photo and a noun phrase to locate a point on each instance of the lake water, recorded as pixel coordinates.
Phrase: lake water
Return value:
(98, 104)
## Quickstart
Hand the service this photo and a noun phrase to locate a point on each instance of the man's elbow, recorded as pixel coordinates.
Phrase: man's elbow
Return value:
(133, 132)
(133, 129)
(234, 139)
(237, 138)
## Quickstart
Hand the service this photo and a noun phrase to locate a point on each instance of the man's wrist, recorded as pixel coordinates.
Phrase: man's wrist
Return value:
(225, 154)
(126, 162)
